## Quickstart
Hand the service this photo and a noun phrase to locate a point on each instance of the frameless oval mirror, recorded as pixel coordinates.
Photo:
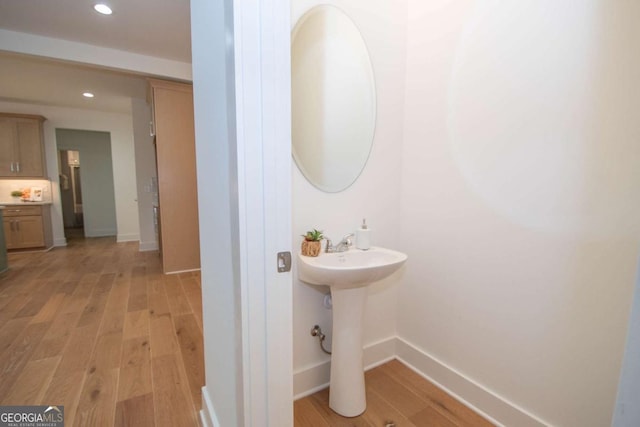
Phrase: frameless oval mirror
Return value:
(333, 98)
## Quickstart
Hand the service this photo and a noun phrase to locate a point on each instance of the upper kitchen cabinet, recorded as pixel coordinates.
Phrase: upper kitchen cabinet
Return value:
(172, 109)
(21, 146)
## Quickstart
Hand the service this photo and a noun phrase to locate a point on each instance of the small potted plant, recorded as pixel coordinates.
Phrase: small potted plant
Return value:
(311, 245)
(16, 194)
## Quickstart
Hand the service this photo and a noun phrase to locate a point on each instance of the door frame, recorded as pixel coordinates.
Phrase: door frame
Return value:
(241, 70)
(263, 72)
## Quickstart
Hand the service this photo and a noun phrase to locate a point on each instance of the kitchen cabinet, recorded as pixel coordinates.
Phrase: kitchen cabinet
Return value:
(26, 227)
(21, 146)
(178, 230)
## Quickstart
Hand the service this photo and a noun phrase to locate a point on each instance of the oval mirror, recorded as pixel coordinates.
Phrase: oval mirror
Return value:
(333, 98)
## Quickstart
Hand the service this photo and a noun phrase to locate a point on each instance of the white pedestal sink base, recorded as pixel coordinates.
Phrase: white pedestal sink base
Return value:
(346, 392)
(347, 274)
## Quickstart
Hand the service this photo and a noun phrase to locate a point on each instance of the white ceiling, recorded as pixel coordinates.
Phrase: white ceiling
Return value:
(38, 81)
(158, 28)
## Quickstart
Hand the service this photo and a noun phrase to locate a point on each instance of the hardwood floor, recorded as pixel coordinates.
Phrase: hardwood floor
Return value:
(396, 396)
(98, 328)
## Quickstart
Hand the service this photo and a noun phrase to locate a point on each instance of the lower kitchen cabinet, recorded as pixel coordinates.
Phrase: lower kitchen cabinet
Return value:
(27, 227)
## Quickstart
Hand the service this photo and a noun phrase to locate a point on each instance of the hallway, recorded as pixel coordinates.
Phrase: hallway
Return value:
(96, 327)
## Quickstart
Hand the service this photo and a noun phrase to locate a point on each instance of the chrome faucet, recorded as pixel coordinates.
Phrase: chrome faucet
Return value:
(343, 246)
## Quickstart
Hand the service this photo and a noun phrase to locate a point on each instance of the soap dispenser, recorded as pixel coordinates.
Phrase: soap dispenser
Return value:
(363, 236)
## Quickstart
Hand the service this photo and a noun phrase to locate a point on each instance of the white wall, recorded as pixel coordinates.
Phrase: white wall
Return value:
(374, 195)
(121, 129)
(96, 178)
(214, 104)
(520, 210)
(146, 173)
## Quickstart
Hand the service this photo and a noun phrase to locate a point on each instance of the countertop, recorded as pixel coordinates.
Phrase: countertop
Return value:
(5, 204)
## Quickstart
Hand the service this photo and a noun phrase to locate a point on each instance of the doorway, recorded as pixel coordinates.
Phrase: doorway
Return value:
(71, 193)
(86, 183)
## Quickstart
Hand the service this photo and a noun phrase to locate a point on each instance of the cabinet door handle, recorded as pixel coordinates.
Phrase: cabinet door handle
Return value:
(11, 166)
(17, 166)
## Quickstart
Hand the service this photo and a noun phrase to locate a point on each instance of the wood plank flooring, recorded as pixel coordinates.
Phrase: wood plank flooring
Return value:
(396, 396)
(98, 328)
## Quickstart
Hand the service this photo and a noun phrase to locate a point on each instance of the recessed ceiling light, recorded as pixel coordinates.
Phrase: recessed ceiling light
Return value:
(87, 95)
(103, 9)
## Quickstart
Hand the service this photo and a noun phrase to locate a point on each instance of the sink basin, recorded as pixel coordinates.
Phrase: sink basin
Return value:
(348, 274)
(351, 269)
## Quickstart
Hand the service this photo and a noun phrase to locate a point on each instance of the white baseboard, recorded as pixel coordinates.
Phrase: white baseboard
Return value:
(208, 416)
(59, 242)
(182, 271)
(148, 246)
(379, 352)
(100, 232)
(308, 380)
(493, 407)
(126, 237)
(314, 378)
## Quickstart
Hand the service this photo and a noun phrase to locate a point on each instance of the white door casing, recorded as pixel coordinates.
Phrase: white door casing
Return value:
(241, 75)
(263, 120)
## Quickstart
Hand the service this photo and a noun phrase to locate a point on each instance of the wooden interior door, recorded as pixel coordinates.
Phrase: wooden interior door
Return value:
(177, 183)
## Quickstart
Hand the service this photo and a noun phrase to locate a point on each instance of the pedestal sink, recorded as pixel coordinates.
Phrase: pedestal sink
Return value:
(347, 274)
